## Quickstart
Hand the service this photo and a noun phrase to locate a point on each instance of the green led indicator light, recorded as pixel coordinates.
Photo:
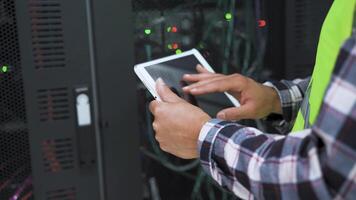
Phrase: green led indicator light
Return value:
(169, 46)
(169, 29)
(228, 16)
(178, 51)
(148, 31)
(4, 69)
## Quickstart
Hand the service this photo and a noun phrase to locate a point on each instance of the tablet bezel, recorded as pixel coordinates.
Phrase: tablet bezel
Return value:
(148, 81)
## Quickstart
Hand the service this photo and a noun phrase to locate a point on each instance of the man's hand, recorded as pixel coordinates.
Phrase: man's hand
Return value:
(257, 101)
(177, 123)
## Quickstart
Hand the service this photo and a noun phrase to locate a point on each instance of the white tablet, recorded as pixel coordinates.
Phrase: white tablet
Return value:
(171, 69)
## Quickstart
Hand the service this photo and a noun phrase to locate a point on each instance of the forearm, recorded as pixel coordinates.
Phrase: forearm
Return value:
(247, 161)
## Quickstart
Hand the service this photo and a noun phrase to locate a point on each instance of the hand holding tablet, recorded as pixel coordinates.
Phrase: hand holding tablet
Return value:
(172, 69)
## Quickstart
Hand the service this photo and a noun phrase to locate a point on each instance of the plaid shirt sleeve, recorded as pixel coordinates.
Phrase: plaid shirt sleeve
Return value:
(316, 163)
(291, 94)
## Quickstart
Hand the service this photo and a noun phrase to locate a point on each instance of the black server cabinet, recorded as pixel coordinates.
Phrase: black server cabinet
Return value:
(293, 34)
(73, 63)
(303, 26)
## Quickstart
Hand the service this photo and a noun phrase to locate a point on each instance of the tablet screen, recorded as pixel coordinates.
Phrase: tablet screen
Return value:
(172, 73)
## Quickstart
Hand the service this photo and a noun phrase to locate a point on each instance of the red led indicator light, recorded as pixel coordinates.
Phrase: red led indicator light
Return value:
(175, 46)
(174, 29)
(262, 23)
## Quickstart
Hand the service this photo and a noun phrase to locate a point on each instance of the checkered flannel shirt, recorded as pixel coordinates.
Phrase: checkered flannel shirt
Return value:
(316, 163)
(291, 94)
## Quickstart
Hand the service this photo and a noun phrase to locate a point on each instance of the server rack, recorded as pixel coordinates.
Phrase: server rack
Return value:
(294, 29)
(68, 108)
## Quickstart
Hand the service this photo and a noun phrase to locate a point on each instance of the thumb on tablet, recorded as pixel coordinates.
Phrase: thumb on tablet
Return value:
(165, 93)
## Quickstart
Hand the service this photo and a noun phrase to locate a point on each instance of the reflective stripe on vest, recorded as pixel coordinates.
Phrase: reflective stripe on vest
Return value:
(336, 29)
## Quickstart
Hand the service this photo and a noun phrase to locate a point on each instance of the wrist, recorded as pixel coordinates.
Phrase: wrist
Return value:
(276, 102)
(203, 121)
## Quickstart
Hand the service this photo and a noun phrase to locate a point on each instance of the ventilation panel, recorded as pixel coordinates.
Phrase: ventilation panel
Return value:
(47, 34)
(15, 162)
(53, 104)
(58, 155)
(62, 194)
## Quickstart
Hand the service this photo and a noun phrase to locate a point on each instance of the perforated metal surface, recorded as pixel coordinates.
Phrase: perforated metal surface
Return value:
(15, 165)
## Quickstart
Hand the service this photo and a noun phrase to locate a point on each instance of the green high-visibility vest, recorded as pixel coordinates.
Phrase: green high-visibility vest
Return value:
(336, 29)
